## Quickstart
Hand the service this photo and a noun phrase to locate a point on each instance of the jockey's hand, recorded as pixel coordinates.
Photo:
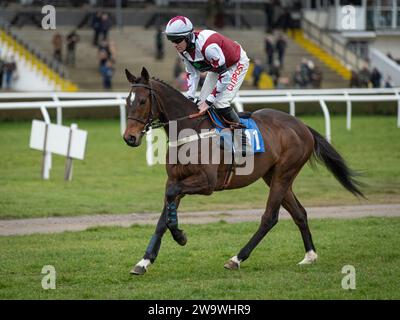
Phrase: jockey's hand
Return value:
(194, 100)
(203, 107)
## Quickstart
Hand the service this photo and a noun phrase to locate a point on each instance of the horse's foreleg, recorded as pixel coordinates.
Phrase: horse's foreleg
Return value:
(172, 197)
(196, 184)
(153, 247)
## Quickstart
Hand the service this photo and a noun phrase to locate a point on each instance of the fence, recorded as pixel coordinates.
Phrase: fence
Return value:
(108, 99)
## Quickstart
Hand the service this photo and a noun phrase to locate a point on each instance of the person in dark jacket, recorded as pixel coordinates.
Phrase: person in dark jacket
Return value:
(107, 72)
(72, 39)
(258, 69)
(269, 50)
(376, 78)
(96, 26)
(281, 45)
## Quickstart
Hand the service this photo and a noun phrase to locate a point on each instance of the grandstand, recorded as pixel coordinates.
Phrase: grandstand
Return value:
(133, 33)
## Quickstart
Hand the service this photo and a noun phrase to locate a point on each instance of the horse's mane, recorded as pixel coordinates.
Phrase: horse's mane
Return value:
(167, 85)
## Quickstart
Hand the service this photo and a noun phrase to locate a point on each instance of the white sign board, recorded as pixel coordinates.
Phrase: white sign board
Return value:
(59, 139)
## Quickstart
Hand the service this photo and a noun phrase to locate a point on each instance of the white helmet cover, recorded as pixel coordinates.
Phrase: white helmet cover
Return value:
(178, 27)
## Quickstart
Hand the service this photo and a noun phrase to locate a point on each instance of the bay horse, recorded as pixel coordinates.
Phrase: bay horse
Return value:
(289, 144)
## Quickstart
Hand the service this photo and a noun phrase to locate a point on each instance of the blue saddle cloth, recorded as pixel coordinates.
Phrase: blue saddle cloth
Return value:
(252, 132)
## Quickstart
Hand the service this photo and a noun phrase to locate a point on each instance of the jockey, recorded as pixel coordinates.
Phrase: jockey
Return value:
(223, 58)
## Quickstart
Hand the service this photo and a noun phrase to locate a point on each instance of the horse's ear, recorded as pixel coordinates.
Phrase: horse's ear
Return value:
(145, 75)
(131, 78)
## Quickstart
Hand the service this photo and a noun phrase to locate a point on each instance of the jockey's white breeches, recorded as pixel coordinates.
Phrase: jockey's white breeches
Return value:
(236, 73)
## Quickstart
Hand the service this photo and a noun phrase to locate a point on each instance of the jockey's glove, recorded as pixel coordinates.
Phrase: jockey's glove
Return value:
(194, 100)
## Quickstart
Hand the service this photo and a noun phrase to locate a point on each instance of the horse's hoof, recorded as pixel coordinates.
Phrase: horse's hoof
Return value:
(232, 265)
(309, 258)
(138, 270)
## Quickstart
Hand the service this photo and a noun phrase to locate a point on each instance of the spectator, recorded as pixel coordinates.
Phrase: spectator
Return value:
(364, 77)
(316, 77)
(96, 26)
(57, 47)
(113, 51)
(281, 48)
(269, 50)
(2, 62)
(107, 51)
(389, 55)
(72, 39)
(159, 44)
(305, 72)
(389, 82)
(10, 69)
(103, 58)
(354, 80)
(258, 69)
(105, 25)
(275, 72)
(219, 15)
(298, 80)
(375, 78)
(107, 72)
(283, 83)
(269, 17)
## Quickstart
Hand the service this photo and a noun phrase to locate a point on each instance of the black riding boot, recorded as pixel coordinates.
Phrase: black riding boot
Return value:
(230, 115)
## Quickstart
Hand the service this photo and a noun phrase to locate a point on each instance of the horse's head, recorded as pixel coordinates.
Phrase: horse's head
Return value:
(142, 111)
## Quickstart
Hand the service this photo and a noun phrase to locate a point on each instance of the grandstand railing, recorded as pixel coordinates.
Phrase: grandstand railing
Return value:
(48, 60)
(43, 64)
(332, 45)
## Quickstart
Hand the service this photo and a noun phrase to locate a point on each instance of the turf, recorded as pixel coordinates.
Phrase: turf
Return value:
(95, 264)
(114, 178)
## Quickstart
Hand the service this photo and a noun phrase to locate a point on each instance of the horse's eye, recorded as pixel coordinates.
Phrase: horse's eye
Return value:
(142, 101)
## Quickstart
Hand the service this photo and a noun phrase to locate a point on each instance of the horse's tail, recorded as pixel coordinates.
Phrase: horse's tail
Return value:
(324, 152)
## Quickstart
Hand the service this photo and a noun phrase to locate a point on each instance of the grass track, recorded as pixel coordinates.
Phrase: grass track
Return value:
(95, 263)
(115, 179)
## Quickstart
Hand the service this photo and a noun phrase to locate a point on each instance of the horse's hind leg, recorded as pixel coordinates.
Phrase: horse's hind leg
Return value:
(281, 180)
(299, 215)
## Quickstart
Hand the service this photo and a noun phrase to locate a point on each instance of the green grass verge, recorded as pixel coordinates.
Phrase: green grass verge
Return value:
(114, 178)
(96, 263)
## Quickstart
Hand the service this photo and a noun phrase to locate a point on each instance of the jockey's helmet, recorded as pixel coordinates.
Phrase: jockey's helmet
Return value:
(179, 28)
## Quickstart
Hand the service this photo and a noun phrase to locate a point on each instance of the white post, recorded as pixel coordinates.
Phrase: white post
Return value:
(291, 105)
(59, 110)
(149, 150)
(348, 111)
(398, 108)
(327, 120)
(68, 164)
(122, 116)
(46, 161)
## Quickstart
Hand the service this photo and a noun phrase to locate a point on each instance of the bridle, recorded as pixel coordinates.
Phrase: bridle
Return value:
(150, 123)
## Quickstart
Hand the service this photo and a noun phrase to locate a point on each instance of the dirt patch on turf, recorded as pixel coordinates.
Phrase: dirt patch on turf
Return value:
(61, 224)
